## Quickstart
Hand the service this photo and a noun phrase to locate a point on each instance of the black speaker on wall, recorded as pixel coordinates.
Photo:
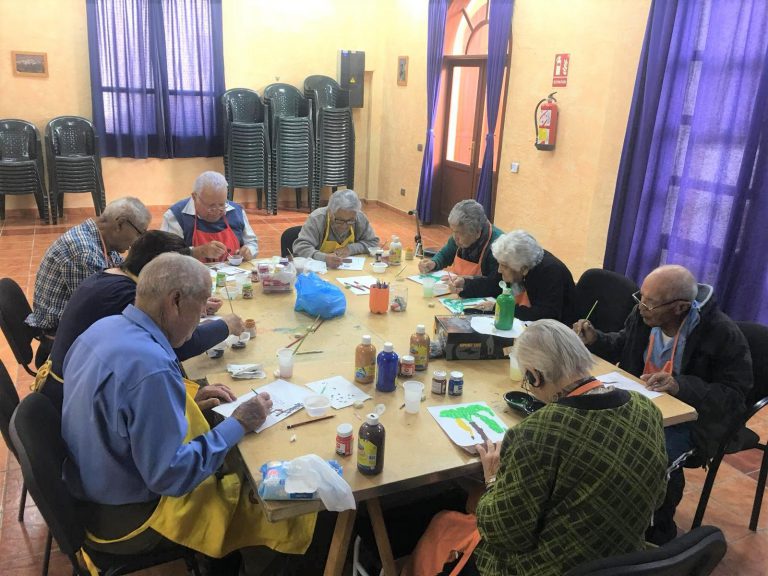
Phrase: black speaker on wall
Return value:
(352, 74)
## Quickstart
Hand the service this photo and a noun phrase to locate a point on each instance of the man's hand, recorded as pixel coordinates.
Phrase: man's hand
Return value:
(342, 252)
(213, 250)
(253, 413)
(455, 283)
(585, 331)
(212, 305)
(661, 382)
(245, 252)
(489, 458)
(426, 266)
(333, 261)
(234, 323)
(210, 396)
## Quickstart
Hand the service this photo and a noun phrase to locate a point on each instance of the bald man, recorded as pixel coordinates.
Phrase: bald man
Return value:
(679, 342)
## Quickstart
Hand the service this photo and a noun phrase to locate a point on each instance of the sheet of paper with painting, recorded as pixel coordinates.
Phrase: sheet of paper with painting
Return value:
(618, 380)
(469, 424)
(340, 390)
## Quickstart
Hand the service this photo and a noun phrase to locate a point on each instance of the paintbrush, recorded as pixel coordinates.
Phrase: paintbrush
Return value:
(310, 421)
(401, 270)
(229, 299)
(309, 352)
(591, 310)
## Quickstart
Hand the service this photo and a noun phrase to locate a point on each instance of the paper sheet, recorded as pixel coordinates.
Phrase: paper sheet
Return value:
(340, 390)
(316, 266)
(463, 422)
(286, 398)
(365, 281)
(618, 380)
(357, 263)
(458, 305)
(419, 278)
(484, 325)
(227, 269)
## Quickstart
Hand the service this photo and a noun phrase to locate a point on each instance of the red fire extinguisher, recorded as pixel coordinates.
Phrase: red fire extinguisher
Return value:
(545, 119)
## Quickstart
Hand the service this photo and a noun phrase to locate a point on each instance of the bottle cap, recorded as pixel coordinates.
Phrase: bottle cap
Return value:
(420, 329)
(372, 419)
(367, 340)
(438, 374)
(457, 375)
(388, 347)
(344, 430)
(408, 358)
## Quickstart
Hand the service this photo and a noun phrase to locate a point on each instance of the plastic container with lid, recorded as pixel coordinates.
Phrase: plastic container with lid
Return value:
(370, 446)
(420, 347)
(365, 361)
(395, 251)
(344, 439)
(386, 368)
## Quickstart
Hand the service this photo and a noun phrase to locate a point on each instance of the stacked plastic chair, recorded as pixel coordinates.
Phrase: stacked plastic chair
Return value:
(74, 162)
(293, 142)
(21, 164)
(334, 135)
(247, 153)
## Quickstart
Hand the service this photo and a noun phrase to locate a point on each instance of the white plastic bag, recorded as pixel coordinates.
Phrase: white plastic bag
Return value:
(310, 473)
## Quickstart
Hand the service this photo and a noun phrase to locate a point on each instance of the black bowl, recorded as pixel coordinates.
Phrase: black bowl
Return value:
(523, 403)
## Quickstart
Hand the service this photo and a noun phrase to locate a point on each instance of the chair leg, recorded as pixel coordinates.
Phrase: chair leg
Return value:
(47, 553)
(22, 502)
(192, 566)
(760, 490)
(298, 197)
(2, 206)
(259, 194)
(709, 482)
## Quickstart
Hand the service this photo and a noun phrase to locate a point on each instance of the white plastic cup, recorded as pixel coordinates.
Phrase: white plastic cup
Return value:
(413, 392)
(428, 287)
(285, 362)
(514, 369)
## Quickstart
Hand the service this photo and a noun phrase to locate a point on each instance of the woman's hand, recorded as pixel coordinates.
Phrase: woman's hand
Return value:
(426, 266)
(489, 457)
(455, 283)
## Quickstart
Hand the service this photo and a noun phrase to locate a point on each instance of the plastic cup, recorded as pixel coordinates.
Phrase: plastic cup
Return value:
(428, 287)
(413, 392)
(285, 362)
(514, 369)
(398, 298)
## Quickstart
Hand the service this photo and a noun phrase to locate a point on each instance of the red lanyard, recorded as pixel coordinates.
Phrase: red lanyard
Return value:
(590, 384)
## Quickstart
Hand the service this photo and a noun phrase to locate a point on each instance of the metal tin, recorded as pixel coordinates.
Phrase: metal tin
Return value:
(439, 382)
(456, 384)
(221, 279)
(344, 439)
(407, 365)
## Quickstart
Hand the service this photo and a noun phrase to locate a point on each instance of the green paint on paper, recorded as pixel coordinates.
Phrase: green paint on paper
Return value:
(474, 410)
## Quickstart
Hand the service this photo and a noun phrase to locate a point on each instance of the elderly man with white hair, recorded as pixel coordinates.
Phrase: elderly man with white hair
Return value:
(211, 225)
(543, 286)
(141, 457)
(334, 232)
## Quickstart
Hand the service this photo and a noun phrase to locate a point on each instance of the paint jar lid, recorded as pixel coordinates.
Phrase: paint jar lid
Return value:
(388, 347)
(420, 329)
(439, 374)
(456, 375)
(344, 430)
(367, 340)
(372, 419)
(408, 358)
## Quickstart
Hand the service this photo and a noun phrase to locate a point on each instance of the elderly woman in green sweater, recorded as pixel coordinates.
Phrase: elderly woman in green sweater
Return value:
(468, 250)
(576, 480)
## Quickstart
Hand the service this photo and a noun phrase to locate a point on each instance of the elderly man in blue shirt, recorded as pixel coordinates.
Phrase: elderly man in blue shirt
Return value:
(142, 456)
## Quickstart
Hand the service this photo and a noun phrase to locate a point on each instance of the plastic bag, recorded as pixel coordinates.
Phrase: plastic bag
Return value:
(317, 297)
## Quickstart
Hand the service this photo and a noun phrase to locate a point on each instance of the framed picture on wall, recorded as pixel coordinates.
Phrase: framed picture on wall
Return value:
(402, 70)
(30, 64)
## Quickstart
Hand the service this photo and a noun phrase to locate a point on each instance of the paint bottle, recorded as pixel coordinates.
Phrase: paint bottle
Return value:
(344, 439)
(439, 382)
(370, 446)
(407, 365)
(419, 348)
(456, 384)
(395, 251)
(386, 368)
(505, 310)
(365, 361)
(250, 326)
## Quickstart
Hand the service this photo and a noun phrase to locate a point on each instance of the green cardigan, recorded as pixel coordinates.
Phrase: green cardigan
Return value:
(578, 480)
(488, 267)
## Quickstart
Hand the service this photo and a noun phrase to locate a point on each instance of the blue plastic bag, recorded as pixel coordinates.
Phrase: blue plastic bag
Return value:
(317, 297)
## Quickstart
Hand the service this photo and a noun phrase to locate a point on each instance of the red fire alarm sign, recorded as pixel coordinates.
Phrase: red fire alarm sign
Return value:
(560, 75)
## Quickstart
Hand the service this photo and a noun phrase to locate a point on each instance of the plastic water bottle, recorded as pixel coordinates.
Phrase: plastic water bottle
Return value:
(386, 368)
(505, 310)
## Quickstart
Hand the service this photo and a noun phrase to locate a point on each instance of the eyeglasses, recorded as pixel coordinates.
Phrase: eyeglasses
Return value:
(132, 225)
(637, 298)
(341, 221)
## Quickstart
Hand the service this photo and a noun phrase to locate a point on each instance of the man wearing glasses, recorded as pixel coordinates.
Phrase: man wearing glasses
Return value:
(211, 225)
(87, 248)
(334, 232)
(679, 342)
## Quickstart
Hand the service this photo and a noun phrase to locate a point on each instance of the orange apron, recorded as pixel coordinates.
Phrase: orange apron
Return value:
(650, 367)
(462, 267)
(447, 534)
(522, 299)
(226, 237)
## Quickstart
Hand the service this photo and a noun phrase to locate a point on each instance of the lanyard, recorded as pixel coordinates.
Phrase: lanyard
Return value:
(590, 384)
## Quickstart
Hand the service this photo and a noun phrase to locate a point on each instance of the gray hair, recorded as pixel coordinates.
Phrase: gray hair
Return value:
(170, 272)
(469, 215)
(553, 349)
(209, 180)
(128, 207)
(517, 249)
(344, 200)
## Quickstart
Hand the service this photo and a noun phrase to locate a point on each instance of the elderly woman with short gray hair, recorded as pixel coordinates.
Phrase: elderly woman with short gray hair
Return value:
(336, 231)
(543, 286)
(468, 251)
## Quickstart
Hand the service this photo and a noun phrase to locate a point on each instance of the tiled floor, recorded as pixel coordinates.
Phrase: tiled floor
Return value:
(23, 241)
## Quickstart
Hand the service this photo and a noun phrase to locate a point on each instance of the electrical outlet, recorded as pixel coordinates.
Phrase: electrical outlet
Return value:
(402, 191)
(514, 167)
(419, 147)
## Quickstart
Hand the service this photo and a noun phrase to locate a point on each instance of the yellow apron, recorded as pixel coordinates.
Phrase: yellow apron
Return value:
(329, 246)
(217, 517)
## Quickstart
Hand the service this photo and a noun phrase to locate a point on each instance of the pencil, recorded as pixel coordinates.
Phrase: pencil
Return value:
(310, 421)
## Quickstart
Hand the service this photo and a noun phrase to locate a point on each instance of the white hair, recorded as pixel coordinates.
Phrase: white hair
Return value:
(679, 282)
(553, 349)
(209, 180)
(128, 207)
(469, 215)
(170, 272)
(517, 249)
(344, 200)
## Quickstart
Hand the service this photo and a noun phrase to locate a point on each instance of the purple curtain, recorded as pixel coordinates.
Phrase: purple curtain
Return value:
(499, 27)
(157, 72)
(435, 37)
(691, 187)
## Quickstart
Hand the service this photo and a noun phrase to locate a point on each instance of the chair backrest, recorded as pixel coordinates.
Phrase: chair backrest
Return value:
(14, 309)
(696, 553)
(287, 238)
(757, 338)
(9, 399)
(71, 136)
(326, 92)
(242, 105)
(18, 140)
(286, 100)
(613, 293)
(36, 434)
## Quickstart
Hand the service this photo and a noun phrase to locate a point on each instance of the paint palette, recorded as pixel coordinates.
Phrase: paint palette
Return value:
(340, 391)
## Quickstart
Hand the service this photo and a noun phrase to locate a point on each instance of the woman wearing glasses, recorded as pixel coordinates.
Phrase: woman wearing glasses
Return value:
(336, 231)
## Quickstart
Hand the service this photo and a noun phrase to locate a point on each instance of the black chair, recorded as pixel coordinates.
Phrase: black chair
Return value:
(36, 433)
(21, 164)
(613, 293)
(9, 399)
(287, 238)
(14, 308)
(693, 554)
(741, 437)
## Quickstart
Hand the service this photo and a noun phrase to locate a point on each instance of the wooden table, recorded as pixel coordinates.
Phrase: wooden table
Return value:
(417, 451)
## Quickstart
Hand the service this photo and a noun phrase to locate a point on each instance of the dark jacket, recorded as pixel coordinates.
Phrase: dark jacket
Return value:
(488, 267)
(715, 373)
(550, 289)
